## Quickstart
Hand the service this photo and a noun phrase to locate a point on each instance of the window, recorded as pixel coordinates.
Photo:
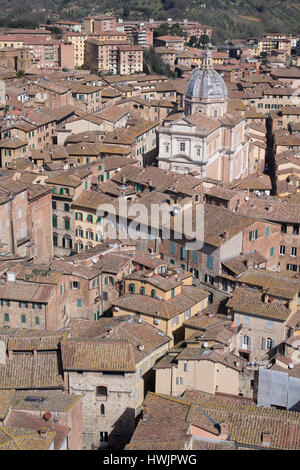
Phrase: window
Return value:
(55, 240)
(153, 293)
(54, 221)
(67, 207)
(187, 314)
(245, 342)
(6, 317)
(175, 321)
(172, 293)
(142, 290)
(37, 320)
(183, 253)
(78, 216)
(101, 392)
(210, 262)
(173, 248)
(270, 324)
(103, 436)
(53, 205)
(291, 267)
(283, 228)
(179, 381)
(102, 410)
(195, 257)
(267, 343)
(89, 218)
(67, 223)
(253, 235)
(293, 251)
(209, 279)
(54, 190)
(272, 251)
(23, 304)
(282, 250)
(267, 231)
(246, 319)
(79, 302)
(131, 287)
(182, 147)
(23, 318)
(74, 285)
(295, 230)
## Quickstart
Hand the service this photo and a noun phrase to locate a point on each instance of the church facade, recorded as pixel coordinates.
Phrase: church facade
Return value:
(206, 138)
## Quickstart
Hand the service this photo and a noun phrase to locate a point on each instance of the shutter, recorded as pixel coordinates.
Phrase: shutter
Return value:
(71, 285)
(256, 234)
(241, 341)
(250, 343)
(272, 344)
(263, 346)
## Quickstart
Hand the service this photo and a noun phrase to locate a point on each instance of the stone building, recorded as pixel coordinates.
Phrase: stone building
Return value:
(104, 372)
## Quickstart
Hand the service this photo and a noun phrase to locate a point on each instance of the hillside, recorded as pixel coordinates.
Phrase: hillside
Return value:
(231, 18)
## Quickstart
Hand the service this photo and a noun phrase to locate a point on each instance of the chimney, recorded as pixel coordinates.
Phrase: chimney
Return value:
(265, 298)
(266, 438)
(2, 353)
(141, 347)
(224, 430)
(43, 432)
(145, 414)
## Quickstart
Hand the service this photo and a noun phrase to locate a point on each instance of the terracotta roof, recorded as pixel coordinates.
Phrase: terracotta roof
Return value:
(6, 397)
(249, 301)
(248, 422)
(166, 308)
(124, 328)
(35, 423)
(97, 355)
(272, 282)
(270, 208)
(44, 400)
(26, 292)
(18, 438)
(25, 371)
(240, 264)
(91, 200)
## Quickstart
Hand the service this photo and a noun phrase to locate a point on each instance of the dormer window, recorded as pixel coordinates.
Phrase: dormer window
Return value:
(11, 277)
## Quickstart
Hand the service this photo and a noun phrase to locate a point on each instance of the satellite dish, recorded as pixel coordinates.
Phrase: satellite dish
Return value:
(291, 365)
(205, 344)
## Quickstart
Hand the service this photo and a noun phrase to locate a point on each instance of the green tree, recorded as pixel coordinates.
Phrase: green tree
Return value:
(193, 41)
(176, 30)
(203, 40)
(20, 73)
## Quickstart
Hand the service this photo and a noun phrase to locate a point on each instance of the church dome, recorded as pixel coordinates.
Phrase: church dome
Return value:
(206, 83)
